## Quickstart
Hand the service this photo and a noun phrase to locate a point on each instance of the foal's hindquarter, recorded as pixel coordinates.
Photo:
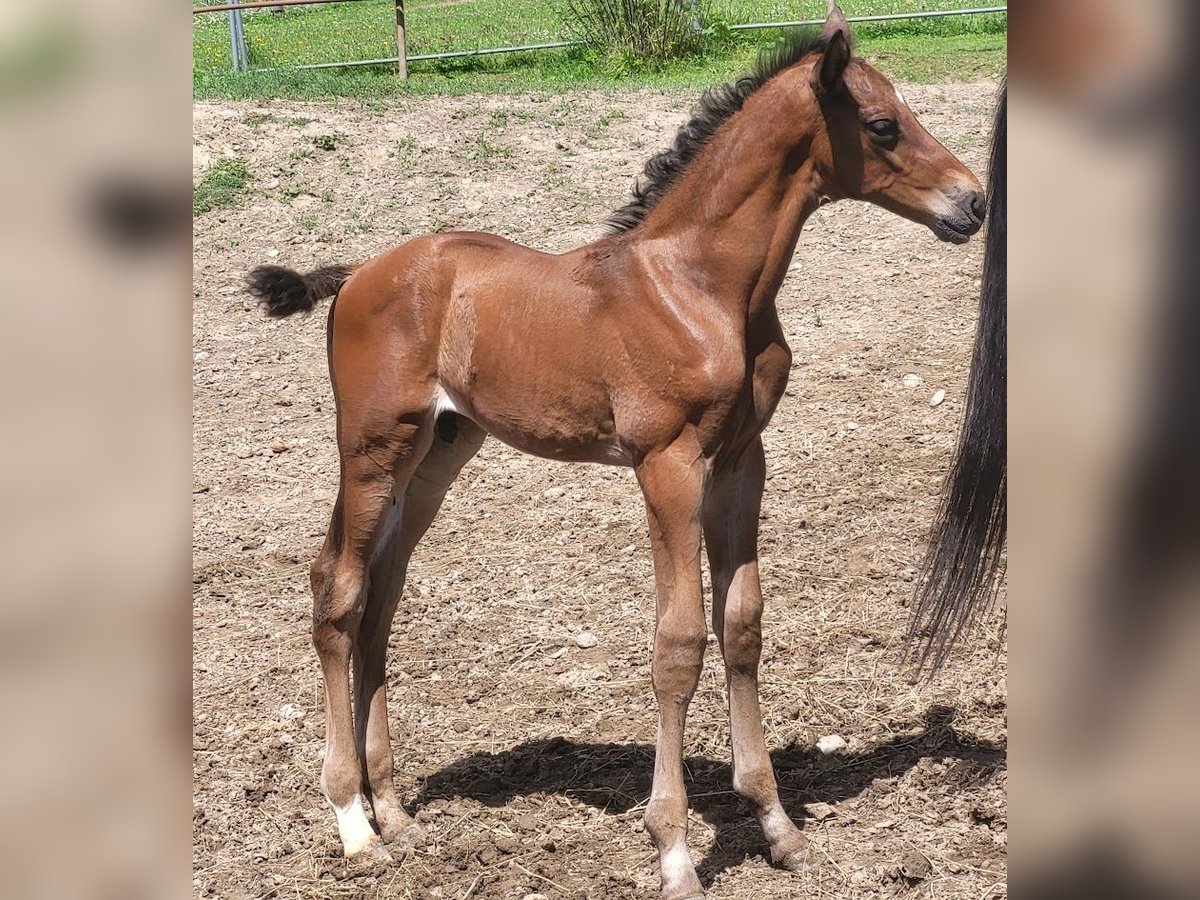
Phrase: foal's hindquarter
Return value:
(659, 348)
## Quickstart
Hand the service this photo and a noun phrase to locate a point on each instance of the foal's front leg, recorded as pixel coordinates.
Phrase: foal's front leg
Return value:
(731, 512)
(673, 485)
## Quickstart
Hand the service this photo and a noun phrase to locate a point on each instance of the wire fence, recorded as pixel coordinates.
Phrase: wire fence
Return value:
(240, 58)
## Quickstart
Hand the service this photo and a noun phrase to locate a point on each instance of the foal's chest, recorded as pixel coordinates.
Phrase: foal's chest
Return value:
(764, 378)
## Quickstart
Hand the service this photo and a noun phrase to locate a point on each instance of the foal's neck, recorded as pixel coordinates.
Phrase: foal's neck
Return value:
(737, 210)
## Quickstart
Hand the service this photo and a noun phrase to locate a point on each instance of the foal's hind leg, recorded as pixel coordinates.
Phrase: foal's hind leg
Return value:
(371, 463)
(731, 536)
(407, 524)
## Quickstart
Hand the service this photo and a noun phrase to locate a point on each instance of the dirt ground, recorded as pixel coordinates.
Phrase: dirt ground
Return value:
(528, 757)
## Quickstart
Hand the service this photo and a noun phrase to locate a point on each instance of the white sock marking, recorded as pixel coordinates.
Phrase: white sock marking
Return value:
(356, 832)
(676, 866)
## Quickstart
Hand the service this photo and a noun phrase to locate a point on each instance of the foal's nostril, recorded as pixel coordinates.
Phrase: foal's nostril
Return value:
(978, 205)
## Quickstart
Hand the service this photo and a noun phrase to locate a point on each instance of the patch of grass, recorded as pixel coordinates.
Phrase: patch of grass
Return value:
(927, 58)
(960, 143)
(595, 129)
(406, 150)
(956, 48)
(357, 224)
(290, 192)
(220, 187)
(256, 119)
(483, 150)
(326, 141)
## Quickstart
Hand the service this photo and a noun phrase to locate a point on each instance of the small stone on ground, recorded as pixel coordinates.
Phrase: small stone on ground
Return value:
(831, 743)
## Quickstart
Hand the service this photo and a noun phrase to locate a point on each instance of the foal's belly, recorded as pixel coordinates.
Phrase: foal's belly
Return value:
(537, 405)
(541, 430)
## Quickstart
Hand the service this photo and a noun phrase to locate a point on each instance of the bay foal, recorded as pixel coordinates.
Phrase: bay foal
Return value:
(657, 347)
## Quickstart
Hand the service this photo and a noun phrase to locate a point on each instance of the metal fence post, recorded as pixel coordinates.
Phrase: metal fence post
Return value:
(237, 41)
(401, 48)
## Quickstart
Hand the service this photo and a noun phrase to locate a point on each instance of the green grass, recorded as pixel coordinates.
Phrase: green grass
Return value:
(326, 141)
(483, 150)
(221, 186)
(957, 48)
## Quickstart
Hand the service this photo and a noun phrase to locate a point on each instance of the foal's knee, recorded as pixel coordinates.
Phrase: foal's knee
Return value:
(743, 637)
(743, 649)
(337, 599)
(678, 656)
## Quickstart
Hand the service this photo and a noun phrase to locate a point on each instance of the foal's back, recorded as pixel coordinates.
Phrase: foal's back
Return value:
(474, 323)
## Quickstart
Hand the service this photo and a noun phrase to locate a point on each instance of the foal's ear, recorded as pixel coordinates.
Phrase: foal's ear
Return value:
(835, 20)
(833, 63)
(835, 36)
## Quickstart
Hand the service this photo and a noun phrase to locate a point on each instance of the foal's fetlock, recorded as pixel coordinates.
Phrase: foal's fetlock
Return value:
(789, 846)
(360, 843)
(359, 839)
(679, 881)
(756, 787)
(660, 825)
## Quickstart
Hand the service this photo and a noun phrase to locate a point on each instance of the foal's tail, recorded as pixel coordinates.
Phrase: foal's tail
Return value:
(959, 577)
(283, 292)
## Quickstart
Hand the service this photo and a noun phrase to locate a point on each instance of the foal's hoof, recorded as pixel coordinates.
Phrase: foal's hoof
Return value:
(794, 858)
(686, 893)
(371, 855)
(410, 837)
(796, 861)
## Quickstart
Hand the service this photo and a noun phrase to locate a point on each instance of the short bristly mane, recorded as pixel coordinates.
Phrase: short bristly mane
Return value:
(716, 107)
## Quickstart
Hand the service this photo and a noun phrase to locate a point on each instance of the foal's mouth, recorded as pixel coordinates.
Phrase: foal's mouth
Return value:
(961, 217)
(956, 230)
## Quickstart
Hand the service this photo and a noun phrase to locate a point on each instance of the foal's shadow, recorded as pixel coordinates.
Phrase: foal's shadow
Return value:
(616, 778)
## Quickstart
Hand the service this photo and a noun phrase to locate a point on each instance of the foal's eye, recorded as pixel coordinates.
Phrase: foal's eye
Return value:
(884, 128)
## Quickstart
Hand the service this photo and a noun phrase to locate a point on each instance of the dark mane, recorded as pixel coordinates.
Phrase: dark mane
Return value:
(718, 104)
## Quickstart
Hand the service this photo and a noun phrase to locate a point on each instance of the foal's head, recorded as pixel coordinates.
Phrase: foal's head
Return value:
(871, 147)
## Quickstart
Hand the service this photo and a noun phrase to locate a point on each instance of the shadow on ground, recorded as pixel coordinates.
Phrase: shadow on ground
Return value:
(616, 778)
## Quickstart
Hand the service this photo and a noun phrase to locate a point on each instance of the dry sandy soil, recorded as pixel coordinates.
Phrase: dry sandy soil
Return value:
(528, 757)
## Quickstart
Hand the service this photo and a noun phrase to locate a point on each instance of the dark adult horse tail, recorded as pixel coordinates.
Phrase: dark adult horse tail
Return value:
(960, 574)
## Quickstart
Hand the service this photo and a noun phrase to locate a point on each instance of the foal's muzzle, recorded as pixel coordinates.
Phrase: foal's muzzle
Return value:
(963, 217)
